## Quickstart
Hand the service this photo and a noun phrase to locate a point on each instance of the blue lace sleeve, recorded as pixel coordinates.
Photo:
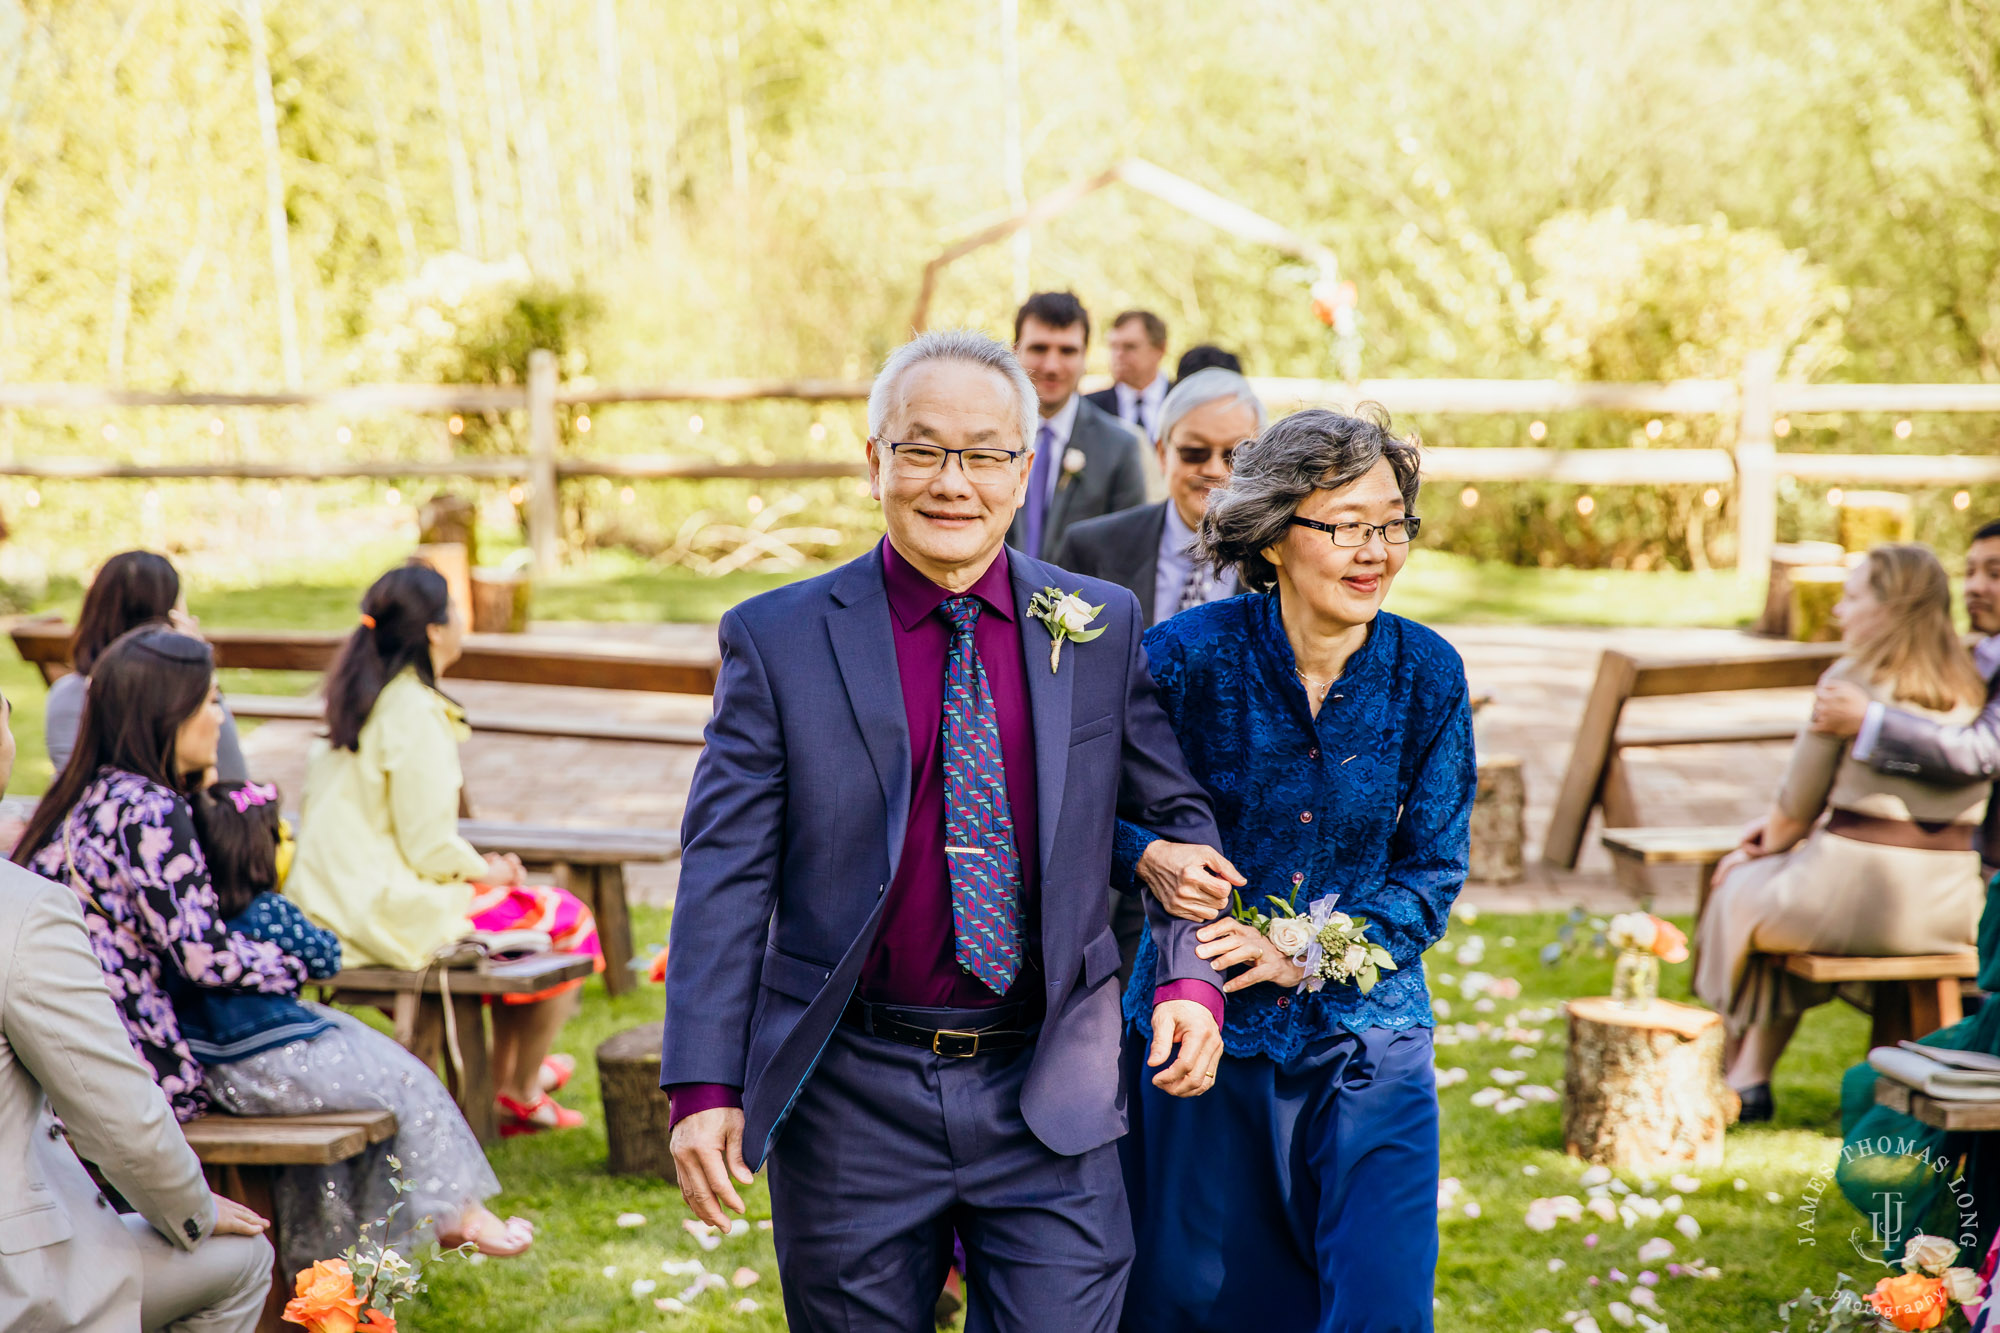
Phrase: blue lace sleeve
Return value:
(1430, 850)
(279, 921)
(1163, 663)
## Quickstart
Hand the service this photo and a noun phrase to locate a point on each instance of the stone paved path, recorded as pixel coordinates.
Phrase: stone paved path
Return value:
(1537, 677)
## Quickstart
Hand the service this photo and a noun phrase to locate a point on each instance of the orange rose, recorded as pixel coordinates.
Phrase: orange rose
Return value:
(1911, 1301)
(377, 1322)
(325, 1302)
(1669, 945)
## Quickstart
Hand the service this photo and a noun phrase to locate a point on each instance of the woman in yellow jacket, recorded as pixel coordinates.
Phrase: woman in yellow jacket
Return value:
(380, 861)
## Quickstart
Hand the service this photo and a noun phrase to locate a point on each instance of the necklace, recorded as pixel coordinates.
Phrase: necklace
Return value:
(1309, 682)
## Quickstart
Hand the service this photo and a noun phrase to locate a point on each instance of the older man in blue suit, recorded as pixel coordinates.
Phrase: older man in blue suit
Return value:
(892, 974)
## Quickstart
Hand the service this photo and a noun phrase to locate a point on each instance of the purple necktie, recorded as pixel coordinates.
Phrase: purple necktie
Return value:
(979, 851)
(1038, 491)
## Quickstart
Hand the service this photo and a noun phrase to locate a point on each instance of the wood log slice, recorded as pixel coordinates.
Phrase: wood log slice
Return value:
(448, 559)
(1870, 518)
(1786, 557)
(636, 1124)
(499, 601)
(1643, 1089)
(1498, 821)
(446, 517)
(1815, 589)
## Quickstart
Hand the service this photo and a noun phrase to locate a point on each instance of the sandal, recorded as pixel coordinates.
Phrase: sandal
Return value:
(556, 1071)
(494, 1238)
(536, 1116)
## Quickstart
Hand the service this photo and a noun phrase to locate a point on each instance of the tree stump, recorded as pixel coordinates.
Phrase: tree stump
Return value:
(1498, 825)
(1786, 557)
(449, 518)
(448, 559)
(636, 1125)
(500, 601)
(1643, 1088)
(1815, 589)
(1869, 518)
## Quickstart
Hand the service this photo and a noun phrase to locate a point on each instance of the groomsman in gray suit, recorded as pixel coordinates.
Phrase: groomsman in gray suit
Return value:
(1138, 344)
(1147, 549)
(1087, 462)
(187, 1260)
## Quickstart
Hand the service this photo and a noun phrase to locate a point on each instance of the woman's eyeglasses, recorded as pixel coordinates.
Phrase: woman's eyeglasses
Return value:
(1396, 532)
(1194, 455)
(979, 465)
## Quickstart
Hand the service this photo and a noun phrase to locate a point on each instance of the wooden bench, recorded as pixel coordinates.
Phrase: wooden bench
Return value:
(530, 659)
(591, 864)
(242, 1155)
(1596, 777)
(1954, 1116)
(312, 708)
(416, 1003)
(1911, 996)
(1701, 846)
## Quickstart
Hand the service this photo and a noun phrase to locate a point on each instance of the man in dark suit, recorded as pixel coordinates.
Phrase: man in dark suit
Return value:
(1086, 462)
(1894, 741)
(892, 975)
(1206, 356)
(1138, 345)
(1147, 550)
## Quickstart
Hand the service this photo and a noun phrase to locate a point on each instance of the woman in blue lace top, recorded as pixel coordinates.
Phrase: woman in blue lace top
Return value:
(1335, 741)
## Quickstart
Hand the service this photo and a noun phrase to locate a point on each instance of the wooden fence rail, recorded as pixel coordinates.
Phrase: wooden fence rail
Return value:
(1752, 466)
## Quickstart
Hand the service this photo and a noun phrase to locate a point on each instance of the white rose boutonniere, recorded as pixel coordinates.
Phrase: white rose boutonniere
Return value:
(1290, 935)
(1072, 463)
(1067, 617)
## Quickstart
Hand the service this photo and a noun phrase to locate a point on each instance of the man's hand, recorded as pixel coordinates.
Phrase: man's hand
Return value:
(708, 1150)
(233, 1219)
(1227, 942)
(1838, 708)
(1191, 1024)
(1191, 881)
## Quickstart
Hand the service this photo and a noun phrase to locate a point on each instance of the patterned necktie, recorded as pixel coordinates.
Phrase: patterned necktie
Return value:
(1038, 490)
(979, 850)
(1194, 591)
(1139, 416)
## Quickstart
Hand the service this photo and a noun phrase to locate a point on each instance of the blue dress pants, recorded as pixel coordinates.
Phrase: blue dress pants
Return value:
(1294, 1195)
(891, 1149)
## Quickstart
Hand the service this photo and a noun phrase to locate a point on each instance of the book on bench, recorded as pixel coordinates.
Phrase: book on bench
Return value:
(1919, 1068)
(1975, 1061)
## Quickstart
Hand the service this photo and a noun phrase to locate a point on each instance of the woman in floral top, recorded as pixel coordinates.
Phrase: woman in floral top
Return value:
(117, 829)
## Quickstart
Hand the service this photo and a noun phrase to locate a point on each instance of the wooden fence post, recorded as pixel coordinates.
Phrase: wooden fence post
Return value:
(1757, 468)
(544, 511)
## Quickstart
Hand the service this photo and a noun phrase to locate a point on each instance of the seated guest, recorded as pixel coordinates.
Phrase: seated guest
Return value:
(1086, 462)
(1891, 871)
(379, 859)
(187, 1259)
(133, 589)
(1205, 356)
(1138, 344)
(269, 1055)
(1149, 549)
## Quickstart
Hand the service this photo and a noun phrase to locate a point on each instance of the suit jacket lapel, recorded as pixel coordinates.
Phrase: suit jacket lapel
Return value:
(1146, 572)
(1049, 703)
(864, 646)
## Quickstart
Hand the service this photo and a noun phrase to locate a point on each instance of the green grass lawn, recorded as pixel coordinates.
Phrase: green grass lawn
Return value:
(1493, 1275)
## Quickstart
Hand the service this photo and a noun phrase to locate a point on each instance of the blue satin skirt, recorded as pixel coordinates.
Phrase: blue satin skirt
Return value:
(1294, 1195)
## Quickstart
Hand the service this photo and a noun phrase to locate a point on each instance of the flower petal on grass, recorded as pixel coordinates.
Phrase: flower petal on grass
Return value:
(745, 1277)
(631, 1219)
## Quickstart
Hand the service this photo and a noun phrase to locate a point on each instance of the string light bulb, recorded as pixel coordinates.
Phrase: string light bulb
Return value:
(1903, 429)
(1962, 501)
(344, 435)
(626, 495)
(394, 497)
(516, 494)
(1711, 497)
(1538, 430)
(456, 425)
(818, 431)
(583, 424)
(1469, 497)
(1585, 505)
(1655, 428)
(1834, 496)
(694, 423)
(1782, 427)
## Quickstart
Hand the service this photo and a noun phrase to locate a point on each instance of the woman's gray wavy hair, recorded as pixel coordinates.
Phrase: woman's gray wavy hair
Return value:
(967, 345)
(1314, 450)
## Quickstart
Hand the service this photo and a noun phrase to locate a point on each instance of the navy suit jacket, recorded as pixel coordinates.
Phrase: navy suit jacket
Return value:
(795, 823)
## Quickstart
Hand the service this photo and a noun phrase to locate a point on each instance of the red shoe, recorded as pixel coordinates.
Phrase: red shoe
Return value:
(536, 1116)
(556, 1071)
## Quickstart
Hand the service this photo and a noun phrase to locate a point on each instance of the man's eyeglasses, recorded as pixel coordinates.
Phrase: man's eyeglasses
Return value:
(1396, 532)
(983, 465)
(1194, 455)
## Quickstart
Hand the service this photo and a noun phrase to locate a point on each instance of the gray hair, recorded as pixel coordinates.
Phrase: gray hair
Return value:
(1314, 450)
(967, 345)
(1213, 385)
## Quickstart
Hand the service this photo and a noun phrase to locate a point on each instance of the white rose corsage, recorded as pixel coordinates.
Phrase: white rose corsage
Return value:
(1329, 945)
(1067, 617)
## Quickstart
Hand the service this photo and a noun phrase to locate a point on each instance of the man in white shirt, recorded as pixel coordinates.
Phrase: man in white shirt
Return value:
(1086, 462)
(1892, 740)
(1138, 346)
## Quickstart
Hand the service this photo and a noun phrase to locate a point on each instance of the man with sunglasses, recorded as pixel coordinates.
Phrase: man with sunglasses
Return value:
(1148, 550)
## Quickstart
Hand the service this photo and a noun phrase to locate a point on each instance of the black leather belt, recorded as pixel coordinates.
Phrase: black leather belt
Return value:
(879, 1020)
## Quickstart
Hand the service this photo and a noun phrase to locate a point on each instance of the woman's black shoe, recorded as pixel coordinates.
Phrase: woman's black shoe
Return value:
(1756, 1105)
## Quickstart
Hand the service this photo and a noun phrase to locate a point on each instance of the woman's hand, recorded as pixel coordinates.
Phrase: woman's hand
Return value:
(503, 869)
(1191, 881)
(1229, 942)
(1749, 849)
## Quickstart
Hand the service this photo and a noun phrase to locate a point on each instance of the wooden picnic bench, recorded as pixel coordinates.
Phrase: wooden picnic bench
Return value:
(590, 863)
(416, 1003)
(242, 1155)
(1596, 776)
(1910, 997)
(312, 708)
(1701, 846)
(1952, 1115)
(532, 659)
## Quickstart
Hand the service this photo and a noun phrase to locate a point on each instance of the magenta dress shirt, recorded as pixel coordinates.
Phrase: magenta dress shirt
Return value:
(914, 958)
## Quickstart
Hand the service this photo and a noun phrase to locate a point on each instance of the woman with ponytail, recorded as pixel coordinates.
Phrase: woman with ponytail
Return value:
(380, 861)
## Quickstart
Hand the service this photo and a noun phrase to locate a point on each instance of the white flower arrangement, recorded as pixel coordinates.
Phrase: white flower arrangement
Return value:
(1330, 945)
(1067, 617)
